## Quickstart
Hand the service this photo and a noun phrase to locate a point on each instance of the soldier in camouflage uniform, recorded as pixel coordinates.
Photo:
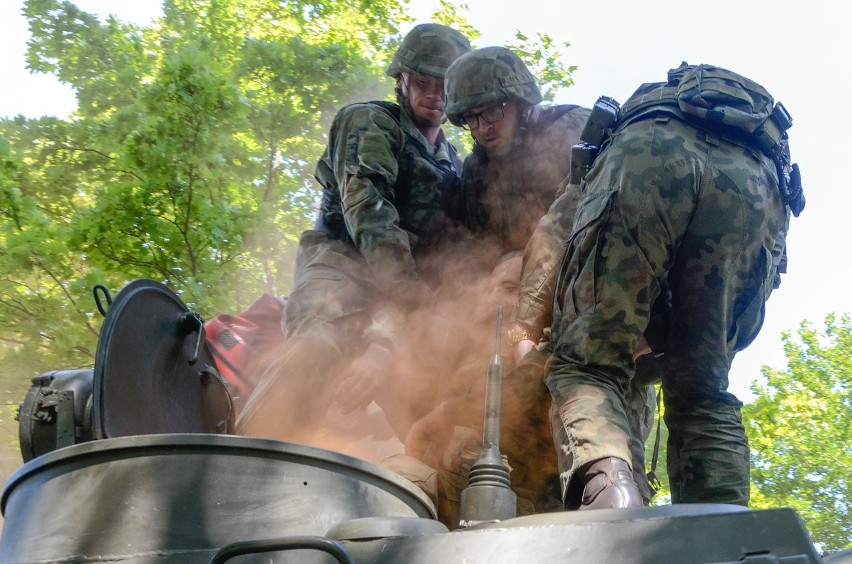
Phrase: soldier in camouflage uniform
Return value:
(520, 163)
(384, 175)
(671, 198)
(522, 151)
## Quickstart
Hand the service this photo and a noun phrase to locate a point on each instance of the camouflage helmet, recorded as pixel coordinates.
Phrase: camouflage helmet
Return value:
(487, 76)
(428, 49)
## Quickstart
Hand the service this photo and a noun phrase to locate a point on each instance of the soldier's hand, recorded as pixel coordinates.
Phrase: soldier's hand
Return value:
(642, 348)
(522, 349)
(363, 378)
(426, 436)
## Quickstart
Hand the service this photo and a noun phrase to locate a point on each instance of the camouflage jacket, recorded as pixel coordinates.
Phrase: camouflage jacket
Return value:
(504, 198)
(542, 258)
(383, 188)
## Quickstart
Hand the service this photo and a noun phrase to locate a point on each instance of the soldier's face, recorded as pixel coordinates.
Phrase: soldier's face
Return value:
(499, 136)
(426, 96)
(503, 286)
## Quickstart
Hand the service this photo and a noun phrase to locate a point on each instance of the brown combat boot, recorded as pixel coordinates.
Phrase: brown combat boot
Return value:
(608, 483)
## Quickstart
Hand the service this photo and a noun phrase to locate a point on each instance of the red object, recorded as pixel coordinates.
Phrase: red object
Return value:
(241, 343)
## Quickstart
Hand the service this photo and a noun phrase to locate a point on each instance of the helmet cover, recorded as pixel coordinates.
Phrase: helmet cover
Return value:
(428, 49)
(488, 76)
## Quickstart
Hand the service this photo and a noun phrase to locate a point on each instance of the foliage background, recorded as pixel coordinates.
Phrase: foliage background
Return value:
(189, 160)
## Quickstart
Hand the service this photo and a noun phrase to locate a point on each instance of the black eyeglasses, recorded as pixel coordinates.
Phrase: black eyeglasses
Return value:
(489, 115)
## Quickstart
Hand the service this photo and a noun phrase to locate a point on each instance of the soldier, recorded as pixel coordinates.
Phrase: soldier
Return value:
(520, 163)
(521, 154)
(442, 444)
(679, 194)
(383, 175)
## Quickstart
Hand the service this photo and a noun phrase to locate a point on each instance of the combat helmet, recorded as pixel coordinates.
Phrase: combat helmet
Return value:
(428, 49)
(487, 76)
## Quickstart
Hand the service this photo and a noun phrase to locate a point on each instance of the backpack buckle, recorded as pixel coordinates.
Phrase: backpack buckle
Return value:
(781, 117)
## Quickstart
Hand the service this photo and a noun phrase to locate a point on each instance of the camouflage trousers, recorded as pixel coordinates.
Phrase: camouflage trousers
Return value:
(531, 467)
(666, 199)
(639, 409)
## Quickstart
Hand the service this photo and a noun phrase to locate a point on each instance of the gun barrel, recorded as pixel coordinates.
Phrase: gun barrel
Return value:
(489, 496)
(493, 393)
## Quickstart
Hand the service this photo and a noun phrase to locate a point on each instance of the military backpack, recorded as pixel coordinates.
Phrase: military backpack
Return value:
(712, 99)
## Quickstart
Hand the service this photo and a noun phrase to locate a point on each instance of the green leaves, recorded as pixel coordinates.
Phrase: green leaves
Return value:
(543, 57)
(800, 427)
(189, 159)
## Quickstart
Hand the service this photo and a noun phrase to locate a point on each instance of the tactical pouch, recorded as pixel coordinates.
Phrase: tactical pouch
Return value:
(741, 108)
(601, 119)
(730, 105)
(724, 97)
(600, 123)
(731, 102)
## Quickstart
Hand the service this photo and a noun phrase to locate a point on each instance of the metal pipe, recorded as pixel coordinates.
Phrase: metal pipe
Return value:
(493, 393)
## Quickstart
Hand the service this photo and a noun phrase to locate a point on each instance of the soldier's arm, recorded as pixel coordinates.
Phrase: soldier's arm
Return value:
(542, 258)
(366, 167)
(545, 249)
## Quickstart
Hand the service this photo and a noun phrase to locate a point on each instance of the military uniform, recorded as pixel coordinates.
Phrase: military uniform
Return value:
(356, 276)
(504, 198)
(666, 199)
(542, 257)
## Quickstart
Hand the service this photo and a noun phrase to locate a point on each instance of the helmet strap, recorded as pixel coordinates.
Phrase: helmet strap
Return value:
(526, 111)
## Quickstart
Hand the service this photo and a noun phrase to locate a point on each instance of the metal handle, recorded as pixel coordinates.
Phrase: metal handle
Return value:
(208, 374)
(107, 297)
(323, 544)
(191, 322)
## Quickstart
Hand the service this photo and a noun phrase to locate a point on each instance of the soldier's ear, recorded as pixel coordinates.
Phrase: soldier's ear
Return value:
(402, 83)
(526, 109)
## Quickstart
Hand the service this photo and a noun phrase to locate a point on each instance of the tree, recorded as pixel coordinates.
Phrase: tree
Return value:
(43, 284)
(542, 55)
(799, 429)
(190, 157)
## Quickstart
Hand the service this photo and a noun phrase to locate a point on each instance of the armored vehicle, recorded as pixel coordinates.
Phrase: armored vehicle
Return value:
(132, 462)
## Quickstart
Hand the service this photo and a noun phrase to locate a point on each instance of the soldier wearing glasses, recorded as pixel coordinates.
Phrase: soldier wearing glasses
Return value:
(522, 152)
(520, 163)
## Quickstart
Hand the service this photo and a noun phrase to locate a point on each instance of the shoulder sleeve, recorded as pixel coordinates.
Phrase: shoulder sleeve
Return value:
(547, 245)
(542, 258)
(367, 143)
(473, 212)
